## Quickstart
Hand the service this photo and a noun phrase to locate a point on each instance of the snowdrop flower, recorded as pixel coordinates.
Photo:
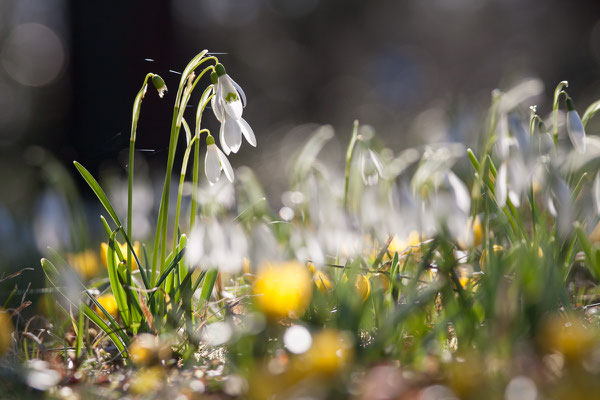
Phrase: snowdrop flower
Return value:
(232, 126)
(214, 244)
(371, 167)
(215, 161)
(229, 94)
(575, 127)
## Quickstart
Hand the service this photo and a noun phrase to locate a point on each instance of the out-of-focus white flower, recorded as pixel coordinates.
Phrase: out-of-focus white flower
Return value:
(215, 162)
(217, 245)
(502, 185)
(233, 126)
(461, 193)
(371, 167)
(575, 127)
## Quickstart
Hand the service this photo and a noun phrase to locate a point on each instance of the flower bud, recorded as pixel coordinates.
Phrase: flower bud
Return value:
(220, 69)
(160, 85)
(210, 140)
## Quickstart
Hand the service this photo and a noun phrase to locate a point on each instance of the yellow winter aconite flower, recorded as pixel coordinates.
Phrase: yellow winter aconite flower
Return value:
(403, 246)
(484, 254)
(474, 234)
(6, 330)
(322, 281)
(143, 350)
(147, 380)
(568, 335)
(477, 232)
(363, 286)
(123, 248)
(283, 289)
(380, 281)
(331, 351)
(85, 263)
(108, 302)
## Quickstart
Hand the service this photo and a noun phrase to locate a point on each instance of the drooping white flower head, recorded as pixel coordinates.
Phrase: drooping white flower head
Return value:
(232, 127)
(575, 127)
(215, 162)
(229, 94)
(371, 167)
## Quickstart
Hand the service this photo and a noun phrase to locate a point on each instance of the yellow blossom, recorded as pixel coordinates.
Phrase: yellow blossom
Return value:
(108, 302)
(331, 351)
(147, 380)
(363, 286)
(6, 331)
(483, 260)
(123, 248)
(570, 336)
(283, 289)
(85, 263)
(322, 281)
(380, 281)
(476, 232)
(143, 350)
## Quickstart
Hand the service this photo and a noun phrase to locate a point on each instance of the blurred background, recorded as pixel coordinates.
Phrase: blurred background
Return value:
(417, 71)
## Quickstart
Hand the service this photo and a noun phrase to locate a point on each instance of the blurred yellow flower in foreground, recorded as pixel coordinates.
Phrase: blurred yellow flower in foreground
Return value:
(148, 349)
(85, 263)
(283, 289)
(123, 248)
(108, 302)
(568, 335)
(6, 330)
(331, 351)
(147, 380)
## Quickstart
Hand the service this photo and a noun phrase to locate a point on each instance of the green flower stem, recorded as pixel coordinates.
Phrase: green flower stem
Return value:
(349, 153)
(186, 156)
(204, 100)
(161, 226)
(557, 92)
(137, 103)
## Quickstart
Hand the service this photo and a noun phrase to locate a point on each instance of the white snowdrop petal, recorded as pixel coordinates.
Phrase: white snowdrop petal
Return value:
(368, 170)
(225, 165)
(216, 107)
(576, 131)
(232, 134)
(376, 162)
(240, 91)
(596, 192)
(230, 99)
(247, 132)
(501, 185)
(212, 166)
(461, 193)
(226, 148)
